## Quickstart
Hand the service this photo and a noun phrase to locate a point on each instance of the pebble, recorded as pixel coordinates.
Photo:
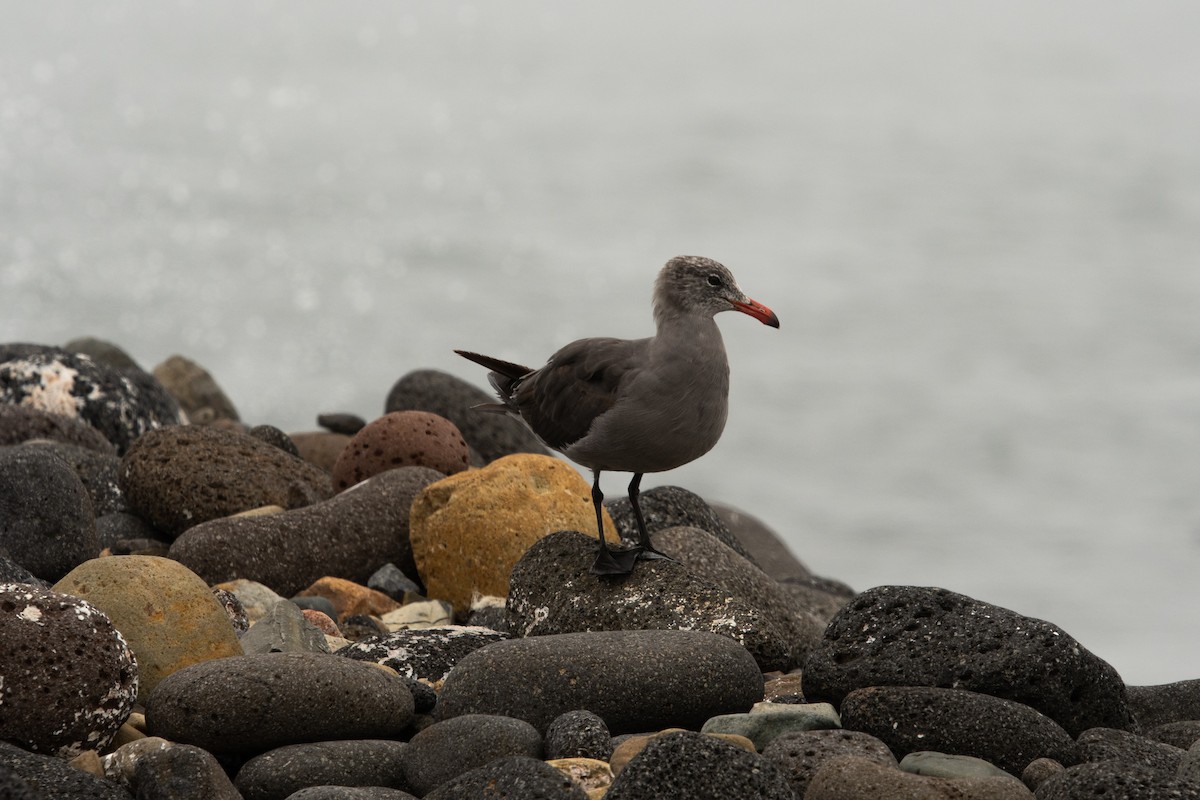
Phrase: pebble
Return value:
(269, 434)
(254, 703)
(279, 773)
(30, 776)
(1039, 771)
(12, 572)
(122, 404)
(919, 636)
(182, 772)
(426, 654)
(553, 592)
(401, 439)
(195, 390)
(320, 448)
(578, 734)
(767, 721)
(510, 777)
(285, 629)
(392, 581)
(943, 765)
(799, 754)
(349, 598)
(855, 778)
(764, 545)
(341, 422)
(673, 507)
(469, 529)
(67, 678)
(449, 748)
(348, 536)
(166, 613)
(20, 424)
(47, 523)
(592, 775)
(634, 680)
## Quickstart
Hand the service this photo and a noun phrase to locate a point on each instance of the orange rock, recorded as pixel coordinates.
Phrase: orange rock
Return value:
(350, 598)
(401, 439)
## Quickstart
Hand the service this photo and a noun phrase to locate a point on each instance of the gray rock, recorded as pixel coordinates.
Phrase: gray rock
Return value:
(392, 581)
(97, 471)
(1114, 780)
(1182, 734)
(269, 434)
(451, 747)
(513, 777)
(12, 572)
(51, 778)
(279, 773)
(944, 765)
(698, 767)
(551, 591)
(1103, 744)
(634, 680)
(1039, 771)
(800, 754)
(426, 653)
(47, 524)
(20, 424)
(182, 772)
(124, 532)
(1166, 702)
(284, 630)
(672, 507)
(102, 351)
(343, 423)
(350, 793)
(578, 734)
(251, 704)
(121, 404)
(69, 678)
(347, 536)
(953, 721)
(492, 436)
(767, 550)
(918, 636)
(178, 477)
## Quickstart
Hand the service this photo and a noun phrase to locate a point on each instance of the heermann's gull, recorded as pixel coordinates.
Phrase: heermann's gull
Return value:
(635, 405)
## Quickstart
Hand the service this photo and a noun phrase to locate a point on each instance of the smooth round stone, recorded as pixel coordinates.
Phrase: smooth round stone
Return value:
(944, 765)
(320, 448)
(510, 777)
(51, 778)
(281, 772)
(273, 436)
(24, 423)
(764, 545)
(1102, 744)
(855, 778)
(1039, 771)
(350, 793)
(923, 636)
(698, 766)
(180, 771)
(341, 422)
(1115, 780)
(196, 390)
(766, 721)
(349, 598)
(578, 734)
(48, 523)
(423, 653)
(673, 507)
(401, 439)
(102, 351)
(255, 703)
(347, 536)
(800, 754)
(451, 747)
(69, 679)
(633, 680)
(255, 599)
(179, 477)
(166, 613)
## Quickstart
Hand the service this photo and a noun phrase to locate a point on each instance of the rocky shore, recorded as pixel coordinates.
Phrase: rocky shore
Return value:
(194, 607)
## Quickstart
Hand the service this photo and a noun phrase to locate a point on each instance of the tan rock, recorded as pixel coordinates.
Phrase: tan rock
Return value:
(588, 774)
(320, 448)
(469, 529)
(350, 598)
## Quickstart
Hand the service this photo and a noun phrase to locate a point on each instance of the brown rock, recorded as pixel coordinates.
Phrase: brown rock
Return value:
(468, 530)
(401, 439)
(350, 598)
(195, 390)
(320, 448)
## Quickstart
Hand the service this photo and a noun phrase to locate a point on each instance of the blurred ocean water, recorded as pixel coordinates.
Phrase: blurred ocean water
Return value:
(978, 223)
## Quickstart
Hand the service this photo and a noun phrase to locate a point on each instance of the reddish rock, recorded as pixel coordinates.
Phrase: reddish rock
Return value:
(350, 598)
(401, 439)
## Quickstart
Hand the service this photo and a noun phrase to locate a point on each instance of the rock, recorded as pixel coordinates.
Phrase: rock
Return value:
(392, 581)
(401, 439)
(179, 477)
(957, 722)
(255, 599)
(47, 523)
(578, 734)
(320, 448)
(1114, 780)
(696, 766)
(510, 777)
(316, 603)
(1039, 771)
(1166, 702)
(942, 765)
(1103, 744)
(673, 507)
(346, 424)
(360, 762)
(284, 629)
(97, 471)
(451, 747)
(493, 436)
(182, 772)
(917, 636)
(195, 390)
(468, 530)
(350, 598)
(709, 559)
(50, 778)
(1182, 734)
(350, 793)
(68, 678)
(323, 622)
(854, 778)
(168, 616)
(121, 533)
(633, 680)
(765, 547)
(799, 754)
(822, 597)
(420, 614)
(102, 352)
(12, 572)
(273, 436)
(592, 775)
(784, 689)
(632, 745)
(767, 721)
(552, 592)
(121, 404)
(254, 703)
(20, 424)
(234, 609)
(348, 536)
(427, 654)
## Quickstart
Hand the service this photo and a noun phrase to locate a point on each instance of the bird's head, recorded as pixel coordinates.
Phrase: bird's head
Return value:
(698, 286)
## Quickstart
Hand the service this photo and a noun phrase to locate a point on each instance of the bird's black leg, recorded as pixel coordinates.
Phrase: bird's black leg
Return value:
(647, 550)
(608, 562)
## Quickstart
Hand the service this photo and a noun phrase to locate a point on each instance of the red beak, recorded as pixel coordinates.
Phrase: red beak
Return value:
(757, 310)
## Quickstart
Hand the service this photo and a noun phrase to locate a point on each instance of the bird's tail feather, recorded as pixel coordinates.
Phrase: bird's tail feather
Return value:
(504, 377)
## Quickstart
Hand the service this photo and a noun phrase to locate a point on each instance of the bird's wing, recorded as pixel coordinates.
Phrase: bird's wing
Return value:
(579, 383)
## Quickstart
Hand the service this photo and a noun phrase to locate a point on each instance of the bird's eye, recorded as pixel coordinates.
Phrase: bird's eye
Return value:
(715, 280)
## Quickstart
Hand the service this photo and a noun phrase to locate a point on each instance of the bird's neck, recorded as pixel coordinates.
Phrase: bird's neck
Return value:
(695, 336)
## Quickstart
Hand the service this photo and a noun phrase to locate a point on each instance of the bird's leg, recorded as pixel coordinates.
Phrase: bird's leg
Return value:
(647, 550)
(608, 562)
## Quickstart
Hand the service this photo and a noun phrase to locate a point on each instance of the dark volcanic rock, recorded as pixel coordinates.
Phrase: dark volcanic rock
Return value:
(1165, 702)
(12, 572)
(97, 471)
(1114, 780)
(427, 653)
(1103, 744)
(251, 704)
(634, 680)
(449, 748)
(953, 721)
(47, 524)
(347, 536)
(22, 423)
(552, 591)
(1182, 734)
(670, 507)
(917, 636)
(491, 435)
(178, 477)
(357, 762)
(401, 439)
(182, 772)
(578, 734)
(350, 793)
(698, 767)
(511, 777)
(121, 404)
(800, 754)
(51, 778)
(273, 436)
(764, 545)
(69, 678)
(338, 422)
